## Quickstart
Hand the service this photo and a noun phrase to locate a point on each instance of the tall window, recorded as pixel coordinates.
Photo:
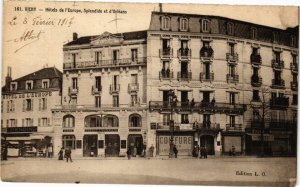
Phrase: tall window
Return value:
(110, 121)
(98, 57)
(295, 99)
(293, 41)
(134, 55)
(294, 59)
(97, 101)
(166, 119)
(253, 33)
(28, 105)
(68, 121)
(204, 25)
(68, 141)
(45, 84)
(185, 118)
(230, 29)
(74, 83)
(165, 23)
(12, 123)
(115, 101)
(115, 56)
(277, 56)
(231, 70)
(29, 85)
(44, 122)
(10, 106)
(28, 122)
(231, 48)
(98, 83)
(134, 100)
(74, 59)
(135, 120)
(206, 120)
(232, 97)
(92, 121)
(275, 37)
(183, 24)
(43, 104)
(232, 121)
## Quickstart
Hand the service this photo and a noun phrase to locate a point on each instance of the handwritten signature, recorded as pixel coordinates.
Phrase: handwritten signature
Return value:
(28, 37)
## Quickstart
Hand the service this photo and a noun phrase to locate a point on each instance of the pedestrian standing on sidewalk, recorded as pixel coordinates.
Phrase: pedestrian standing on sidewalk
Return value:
(68, 153)
(201, 152)
(144, 149)
(205, 152)
(175, 150)
(61, 154)
(128, 153)
(151, 150)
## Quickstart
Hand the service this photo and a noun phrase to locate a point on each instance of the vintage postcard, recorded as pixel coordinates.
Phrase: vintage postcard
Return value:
(149, 93)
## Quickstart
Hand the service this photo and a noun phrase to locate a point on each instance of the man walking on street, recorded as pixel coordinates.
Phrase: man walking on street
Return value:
(175, 150)
(151, 150)
(68, 153)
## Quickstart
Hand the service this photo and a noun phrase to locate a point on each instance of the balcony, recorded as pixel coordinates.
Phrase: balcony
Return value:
(282, 125)
(165, 126)
(96, 90)
(279, 103)
(114, 88)
(166, 75)
(294, 67)
(208, 126)
(73, 91)
(184, 76)
(232, 57)
(294, 86)
(256, 81)
(277, 64)
(105, 63)
(234, 127)
(166, 53)
(278, 83)
(255, 59)
(232, 78)
(206, 54)
(164, 106)
(133, 87)
(206, 77)
(184, 54)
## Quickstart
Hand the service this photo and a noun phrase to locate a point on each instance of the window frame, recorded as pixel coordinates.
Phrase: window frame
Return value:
(183, 24)
(165, 23)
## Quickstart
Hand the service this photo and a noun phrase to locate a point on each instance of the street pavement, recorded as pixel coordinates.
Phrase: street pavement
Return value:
(188, 171)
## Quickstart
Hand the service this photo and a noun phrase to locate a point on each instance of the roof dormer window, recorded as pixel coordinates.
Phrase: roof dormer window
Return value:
(13, 86)
(230, 28)
(253, 33)
(204, 25)
(165, 23)
(183, 22)
(275, 37)
(45, 83)
(293, 41)
(29, 85)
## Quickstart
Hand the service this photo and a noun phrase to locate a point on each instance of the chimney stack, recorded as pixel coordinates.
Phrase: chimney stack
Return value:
(8, 78)
(160, 7)
(75, 36)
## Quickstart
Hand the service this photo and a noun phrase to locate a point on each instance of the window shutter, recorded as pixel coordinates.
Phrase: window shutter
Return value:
(39, 121)
(40, 103)
(7, 106)
(48, 121)
(31, 104)
(24, 105)
(23, 122)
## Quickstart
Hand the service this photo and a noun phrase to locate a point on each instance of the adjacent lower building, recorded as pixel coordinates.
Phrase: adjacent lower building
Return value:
(26, 104)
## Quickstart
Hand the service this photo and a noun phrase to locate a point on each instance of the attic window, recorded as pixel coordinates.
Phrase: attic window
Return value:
(253, 33)
(29, 85)
(230, 28)
(165, 23)
(275, 37)
(45, 83)
(183, 24)
(13, 86)
(204, 25)
(293, 43)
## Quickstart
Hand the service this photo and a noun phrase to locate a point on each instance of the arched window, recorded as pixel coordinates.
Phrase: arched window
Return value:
(165, 23)
(135, 120)
(68, 121)
(92, 121)
(204, 25)
(253, 33)
(183, 24)
(230, 28)
(110, 121)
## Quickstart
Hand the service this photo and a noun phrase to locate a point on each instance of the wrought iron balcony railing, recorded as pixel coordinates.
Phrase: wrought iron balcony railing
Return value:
(255, 59)
(278, 83)
(184, 54)
(232, 57)
(277, 64)
(206, 54)
(294, 86)
(256, 81)
(184, 76)
(232, 78)
(133, 87)
(96, 90)
(206, 77)
(166, 53)
(279, 102)
(73, 91)
(294, 67)
(166, 74)
(114, 88)
(283, 125)
(234, 127)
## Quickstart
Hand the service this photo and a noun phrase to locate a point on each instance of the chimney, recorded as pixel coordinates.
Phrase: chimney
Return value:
(8, 78)
(75, 36)
(160, 7)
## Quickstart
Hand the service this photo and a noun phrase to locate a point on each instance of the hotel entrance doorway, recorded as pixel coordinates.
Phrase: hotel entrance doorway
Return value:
(90, 148)
(112, 145)
(208, 142)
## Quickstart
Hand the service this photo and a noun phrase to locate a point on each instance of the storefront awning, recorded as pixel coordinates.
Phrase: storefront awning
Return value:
(18, 138)
(257, 137)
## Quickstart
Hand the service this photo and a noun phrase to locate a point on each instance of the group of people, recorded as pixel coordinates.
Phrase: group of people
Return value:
(65, 153)
(202, 150)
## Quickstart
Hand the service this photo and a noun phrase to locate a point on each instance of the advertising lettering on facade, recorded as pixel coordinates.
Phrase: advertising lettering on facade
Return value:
(184, 145)
(26, 95)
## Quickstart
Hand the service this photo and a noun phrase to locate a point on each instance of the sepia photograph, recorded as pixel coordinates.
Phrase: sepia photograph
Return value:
(149, 93)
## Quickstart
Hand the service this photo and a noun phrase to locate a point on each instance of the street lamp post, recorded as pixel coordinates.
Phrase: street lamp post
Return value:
(172, 102)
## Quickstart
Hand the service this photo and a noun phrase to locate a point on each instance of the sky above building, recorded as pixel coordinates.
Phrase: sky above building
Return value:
(33, 40)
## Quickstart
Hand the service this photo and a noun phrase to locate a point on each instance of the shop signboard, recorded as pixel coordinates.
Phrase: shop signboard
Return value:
(184, 145)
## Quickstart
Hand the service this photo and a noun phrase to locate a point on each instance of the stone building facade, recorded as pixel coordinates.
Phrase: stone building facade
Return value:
(224, 72)
(103, 110)
(26, 110)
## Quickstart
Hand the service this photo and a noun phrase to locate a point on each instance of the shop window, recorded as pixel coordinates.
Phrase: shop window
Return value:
(68, 141)
(68, 121)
